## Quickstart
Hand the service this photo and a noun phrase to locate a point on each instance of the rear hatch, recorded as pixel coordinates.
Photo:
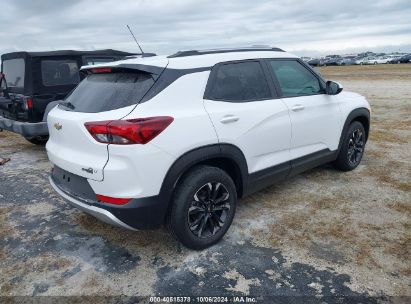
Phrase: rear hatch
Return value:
(106, 94)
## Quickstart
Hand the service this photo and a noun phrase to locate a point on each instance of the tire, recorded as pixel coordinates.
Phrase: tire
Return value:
(194, 219)
(38, 140)
(352, 148)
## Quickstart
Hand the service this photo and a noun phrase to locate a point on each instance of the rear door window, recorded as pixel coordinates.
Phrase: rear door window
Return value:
(241, 81)
(14, 71)
(59, 72)
(109, 91)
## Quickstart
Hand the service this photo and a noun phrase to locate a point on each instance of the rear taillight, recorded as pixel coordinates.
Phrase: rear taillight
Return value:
(128, 132)
(112, 200)
(27, 103)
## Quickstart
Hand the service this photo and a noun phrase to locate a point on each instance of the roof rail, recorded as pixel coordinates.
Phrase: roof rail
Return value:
(219, 51)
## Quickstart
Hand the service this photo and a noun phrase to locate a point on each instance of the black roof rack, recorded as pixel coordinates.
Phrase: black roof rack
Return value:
(219, 51)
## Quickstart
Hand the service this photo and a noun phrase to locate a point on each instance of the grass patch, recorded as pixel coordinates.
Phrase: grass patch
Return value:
(387, 136)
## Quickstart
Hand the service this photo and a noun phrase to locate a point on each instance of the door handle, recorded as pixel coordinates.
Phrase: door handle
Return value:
(228, 119)
(297, 107)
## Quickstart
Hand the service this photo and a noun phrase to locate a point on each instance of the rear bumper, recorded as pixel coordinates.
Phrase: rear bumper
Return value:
(138, 214)
(99, 213)
(26, 129)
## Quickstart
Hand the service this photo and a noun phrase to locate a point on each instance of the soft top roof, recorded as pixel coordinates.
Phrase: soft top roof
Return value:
(108, 52)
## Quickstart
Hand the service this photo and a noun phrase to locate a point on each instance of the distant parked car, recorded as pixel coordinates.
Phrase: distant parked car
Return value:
(367, 60)
(380, 60)
(404, 59)
(331, 61)
(32, 80)
(360, 61)
(314, 62)
(395, 59)
(370, 60)
(346, 61)
(306, 59)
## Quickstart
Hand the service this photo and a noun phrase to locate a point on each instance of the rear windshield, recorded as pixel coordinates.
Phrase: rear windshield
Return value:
(105, 92)
(14, 70)
(59, 72)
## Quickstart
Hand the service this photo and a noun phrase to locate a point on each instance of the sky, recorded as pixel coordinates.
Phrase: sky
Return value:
(313, 27)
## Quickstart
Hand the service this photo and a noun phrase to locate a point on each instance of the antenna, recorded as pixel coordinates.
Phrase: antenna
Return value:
(135, 40)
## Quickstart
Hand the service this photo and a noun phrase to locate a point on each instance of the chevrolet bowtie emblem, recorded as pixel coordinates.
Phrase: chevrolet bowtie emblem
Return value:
(58, 126)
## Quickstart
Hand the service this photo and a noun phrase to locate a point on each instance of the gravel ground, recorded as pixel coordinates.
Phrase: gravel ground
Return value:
(322, 233)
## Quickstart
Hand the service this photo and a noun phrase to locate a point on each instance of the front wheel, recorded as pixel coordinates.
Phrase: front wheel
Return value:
(38, 140)
(203, 207)
(352, 148)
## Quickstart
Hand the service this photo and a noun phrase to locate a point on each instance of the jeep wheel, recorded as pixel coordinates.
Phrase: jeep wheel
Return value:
(203, 207)
(352, 149)
(38, 140)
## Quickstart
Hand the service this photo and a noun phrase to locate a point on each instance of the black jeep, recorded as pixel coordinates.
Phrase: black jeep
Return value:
(31, 80)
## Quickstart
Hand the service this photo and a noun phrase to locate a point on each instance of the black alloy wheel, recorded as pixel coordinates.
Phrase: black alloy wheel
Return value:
(356, 147)
(203, 207)
(209, 209)
(352, 148)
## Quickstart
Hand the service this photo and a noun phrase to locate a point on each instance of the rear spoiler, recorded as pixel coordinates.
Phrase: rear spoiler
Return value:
(88, 70)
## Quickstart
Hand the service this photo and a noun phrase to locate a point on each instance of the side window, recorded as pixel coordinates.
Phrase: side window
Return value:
(242, 81)
(295, 79)
(14, 70)
(59, 72)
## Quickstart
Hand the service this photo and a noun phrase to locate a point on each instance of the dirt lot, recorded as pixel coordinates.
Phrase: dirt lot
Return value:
(322, 233)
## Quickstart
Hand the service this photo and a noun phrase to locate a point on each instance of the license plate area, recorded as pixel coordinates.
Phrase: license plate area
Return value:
(74, 185)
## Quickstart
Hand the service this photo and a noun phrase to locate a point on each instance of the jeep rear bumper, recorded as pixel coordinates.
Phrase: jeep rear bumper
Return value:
(27, 129)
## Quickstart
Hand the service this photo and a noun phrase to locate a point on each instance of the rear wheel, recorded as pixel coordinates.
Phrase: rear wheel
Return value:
(38, 140)
(203, 207)
(352, 148)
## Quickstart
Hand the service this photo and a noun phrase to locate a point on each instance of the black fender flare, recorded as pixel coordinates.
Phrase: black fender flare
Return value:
(200, 155)
(362, 114)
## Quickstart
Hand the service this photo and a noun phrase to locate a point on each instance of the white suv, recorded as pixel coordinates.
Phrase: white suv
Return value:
(179, 139)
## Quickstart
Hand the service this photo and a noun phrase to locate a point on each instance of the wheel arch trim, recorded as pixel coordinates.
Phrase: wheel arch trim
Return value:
(200, 155)
(356, 114)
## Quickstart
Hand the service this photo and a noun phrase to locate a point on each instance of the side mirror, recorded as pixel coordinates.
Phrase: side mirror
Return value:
(333, 88)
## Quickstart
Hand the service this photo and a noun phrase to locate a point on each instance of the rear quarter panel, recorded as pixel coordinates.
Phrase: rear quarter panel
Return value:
(139, 170)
